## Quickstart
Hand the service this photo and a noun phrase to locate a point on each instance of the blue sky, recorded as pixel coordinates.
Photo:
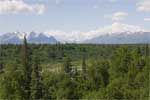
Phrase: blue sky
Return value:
(71, 15)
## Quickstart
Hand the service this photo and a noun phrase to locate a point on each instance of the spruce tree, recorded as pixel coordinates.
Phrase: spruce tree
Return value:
(67, 66)
(26, 67)
(120, 62)
(10, 83)
(36, 80)
(138, 59)
(147, 69)
(67, 85)
(99, 75)
(84, 69)
(1, 59)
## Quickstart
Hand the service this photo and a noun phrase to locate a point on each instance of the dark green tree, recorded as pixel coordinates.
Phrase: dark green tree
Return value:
(67, 66)
(67, 85)
(26, 69)
(1, 59)
(137, 58)
(84, 66)
(36, 80)
(147, 69)
(119, 70)
(10, 82)
(99, 75)
(120, 62)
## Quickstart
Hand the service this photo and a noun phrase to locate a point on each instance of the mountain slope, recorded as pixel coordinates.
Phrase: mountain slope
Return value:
(32, 37)
(121, 38)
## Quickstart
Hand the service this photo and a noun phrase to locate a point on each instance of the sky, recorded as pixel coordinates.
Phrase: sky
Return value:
(74, 18)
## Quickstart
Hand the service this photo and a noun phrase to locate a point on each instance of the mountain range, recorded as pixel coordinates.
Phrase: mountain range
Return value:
(32, 37)
(121, 38)
(110, 38)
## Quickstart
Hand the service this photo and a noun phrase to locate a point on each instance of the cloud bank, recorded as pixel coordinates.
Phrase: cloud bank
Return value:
(19, 6)
(119, 16)
(77, 36)
(143, 5)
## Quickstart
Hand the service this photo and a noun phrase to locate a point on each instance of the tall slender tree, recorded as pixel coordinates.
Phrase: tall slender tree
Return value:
(36, 80)
(67, 66)
(26, 69)
(84, 69)
(120, 62)
(147, 68)
(1, 59)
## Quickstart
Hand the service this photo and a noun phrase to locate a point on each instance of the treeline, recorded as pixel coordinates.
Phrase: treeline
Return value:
(90, 72)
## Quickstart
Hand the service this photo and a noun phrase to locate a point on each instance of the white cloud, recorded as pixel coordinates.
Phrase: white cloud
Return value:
(120, 27)
(143, 5)
(146, 19)
(78, 36)
(19, 6)
(118, 16)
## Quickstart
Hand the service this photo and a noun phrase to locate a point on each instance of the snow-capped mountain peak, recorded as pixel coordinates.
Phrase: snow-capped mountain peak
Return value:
(121, 38)
(20, 34)
(32, 37)
(111, 38)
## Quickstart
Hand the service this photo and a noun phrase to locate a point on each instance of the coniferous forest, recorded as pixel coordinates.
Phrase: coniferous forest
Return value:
(74, 71)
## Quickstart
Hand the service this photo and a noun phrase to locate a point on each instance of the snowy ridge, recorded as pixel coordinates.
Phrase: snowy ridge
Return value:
(32, 37)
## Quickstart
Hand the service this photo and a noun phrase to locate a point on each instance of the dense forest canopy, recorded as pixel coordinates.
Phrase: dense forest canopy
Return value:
(74, 71)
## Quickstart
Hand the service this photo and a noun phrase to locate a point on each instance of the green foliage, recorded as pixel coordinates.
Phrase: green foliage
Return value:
(74, 71)
(36, 81)
(26, 69)
(1, 60)
(84, 66)
(10, 83)
(67, 66)
(116, 89)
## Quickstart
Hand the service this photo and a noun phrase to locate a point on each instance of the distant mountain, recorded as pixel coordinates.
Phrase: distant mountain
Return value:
(121, 38)
(110, 38)
(32, 37)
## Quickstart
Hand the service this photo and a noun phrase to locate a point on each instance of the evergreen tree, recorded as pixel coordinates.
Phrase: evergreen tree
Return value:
(138, 60)
(10, 83)
(120, 62)
(147, 69)
(67, 66)
(104, 66)
(115, 89)
(99, 74)
(67, 85)
(84, 67)
(36, 80)
(1, 59)
(120, 65)
(26, 68)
